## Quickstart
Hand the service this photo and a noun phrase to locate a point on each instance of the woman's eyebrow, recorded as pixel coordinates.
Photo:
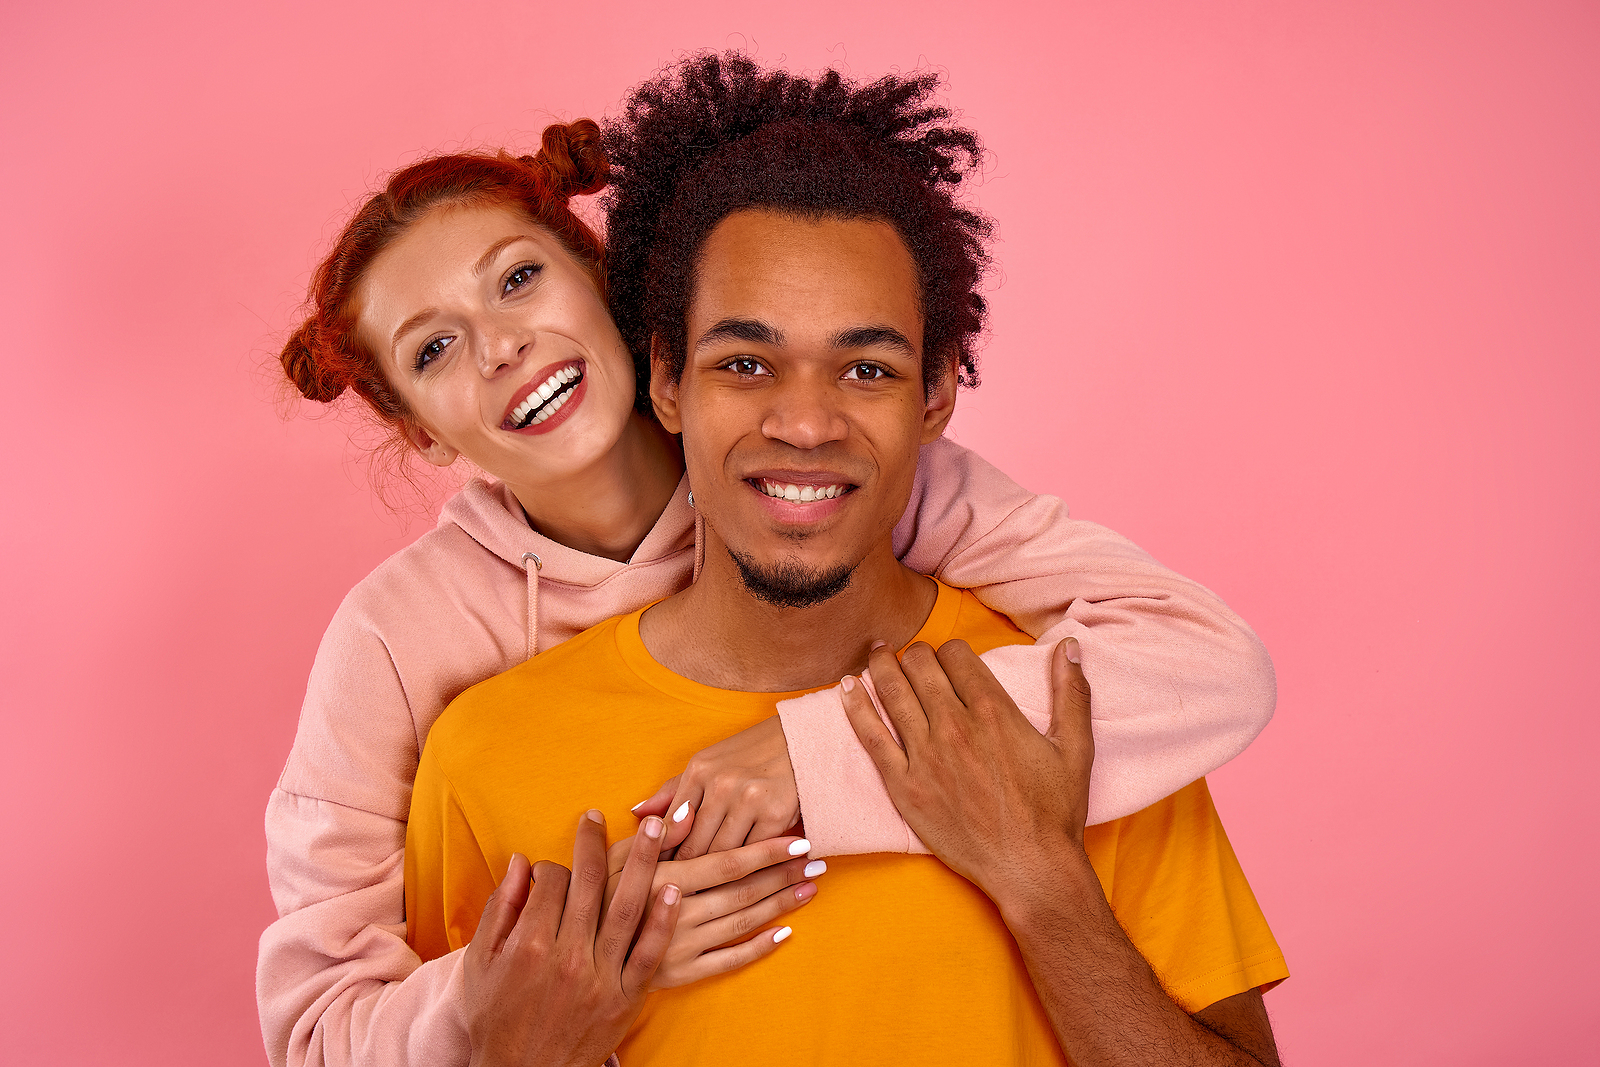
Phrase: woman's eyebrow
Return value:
(410, 324)
(495, 249)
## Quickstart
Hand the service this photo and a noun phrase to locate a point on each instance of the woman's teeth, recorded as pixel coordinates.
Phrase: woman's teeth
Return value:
(539, 404)
(801, 494)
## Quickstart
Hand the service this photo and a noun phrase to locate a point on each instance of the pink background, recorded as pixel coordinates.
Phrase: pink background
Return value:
(1301, 297)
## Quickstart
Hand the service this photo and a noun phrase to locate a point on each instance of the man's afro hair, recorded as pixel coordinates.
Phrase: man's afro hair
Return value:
(716, 134)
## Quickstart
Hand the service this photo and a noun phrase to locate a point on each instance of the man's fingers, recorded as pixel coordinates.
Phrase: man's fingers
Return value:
(501, 910)
(540, 921)
(925, 673)
(581, 918)
(659, 802)
(1069, 700)
(886, 753)
(972, 682)
(627, 907)
(899, 700)
(651, 947)
(720, 868)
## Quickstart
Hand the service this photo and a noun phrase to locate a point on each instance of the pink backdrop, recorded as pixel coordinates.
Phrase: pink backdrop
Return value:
(1302, 297)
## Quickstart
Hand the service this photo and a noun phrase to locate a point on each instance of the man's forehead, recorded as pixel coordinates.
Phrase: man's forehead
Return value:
(805, 276)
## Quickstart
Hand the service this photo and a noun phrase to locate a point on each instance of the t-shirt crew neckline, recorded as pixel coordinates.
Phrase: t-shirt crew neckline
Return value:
(936, 630)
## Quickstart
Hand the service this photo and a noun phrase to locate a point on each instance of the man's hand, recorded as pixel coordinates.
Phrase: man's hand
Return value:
(549, 976)
(742, 789)
(728, 896)
(987, 793)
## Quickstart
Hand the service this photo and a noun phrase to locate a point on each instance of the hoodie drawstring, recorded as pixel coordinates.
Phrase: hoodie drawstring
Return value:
(533, 565)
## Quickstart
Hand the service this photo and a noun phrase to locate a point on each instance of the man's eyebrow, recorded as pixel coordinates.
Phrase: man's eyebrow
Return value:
(874, 337)
(753, 330)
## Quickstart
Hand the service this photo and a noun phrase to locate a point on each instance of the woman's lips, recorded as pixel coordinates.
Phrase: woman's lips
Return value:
(548, 398)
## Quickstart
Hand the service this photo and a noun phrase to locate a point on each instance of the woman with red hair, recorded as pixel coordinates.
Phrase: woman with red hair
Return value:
(467, 306)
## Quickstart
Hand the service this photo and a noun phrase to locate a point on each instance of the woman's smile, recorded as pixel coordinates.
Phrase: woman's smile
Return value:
(547, 400)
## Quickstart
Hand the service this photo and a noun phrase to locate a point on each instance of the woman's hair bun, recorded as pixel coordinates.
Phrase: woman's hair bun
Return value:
(573, 159)
(305, 370)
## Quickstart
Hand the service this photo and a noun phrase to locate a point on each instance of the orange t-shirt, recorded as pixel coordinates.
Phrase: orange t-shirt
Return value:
(897, 959)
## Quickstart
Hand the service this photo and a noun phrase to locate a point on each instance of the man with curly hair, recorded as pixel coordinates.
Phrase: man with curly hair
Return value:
(789, 255)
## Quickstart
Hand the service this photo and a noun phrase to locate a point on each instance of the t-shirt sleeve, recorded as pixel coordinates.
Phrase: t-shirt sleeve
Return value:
(447, 877)
(1177, 888)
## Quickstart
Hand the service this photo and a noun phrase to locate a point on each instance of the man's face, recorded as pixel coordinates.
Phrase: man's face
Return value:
(801, 402)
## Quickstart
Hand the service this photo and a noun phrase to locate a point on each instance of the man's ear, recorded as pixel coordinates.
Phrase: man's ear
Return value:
(428, 447)
(941, 404)
(663, 390)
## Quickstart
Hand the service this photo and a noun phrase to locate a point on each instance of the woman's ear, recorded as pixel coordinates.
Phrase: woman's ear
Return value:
(663, 389)
(940, 404)
(428, 447)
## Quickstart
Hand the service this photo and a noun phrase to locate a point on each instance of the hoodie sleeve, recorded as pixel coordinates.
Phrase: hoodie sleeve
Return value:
(1180, 684)
(336, 983)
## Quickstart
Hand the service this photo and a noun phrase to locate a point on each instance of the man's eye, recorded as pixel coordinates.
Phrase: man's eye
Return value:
(520, 277)
(866, 372)
(431, 351)
(746, 368)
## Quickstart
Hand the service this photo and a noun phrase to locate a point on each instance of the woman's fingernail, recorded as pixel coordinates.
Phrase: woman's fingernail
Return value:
(816, 867)
(636, 807)
(847, 683)
(779, 935)
(670, 895)
(800, 847)
(804, 892)
(596, 815)
(653, 827)
(1074, 653)
(682, 813)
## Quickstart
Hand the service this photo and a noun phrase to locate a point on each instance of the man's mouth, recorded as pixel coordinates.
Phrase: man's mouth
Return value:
(547, 398)
(800, 493)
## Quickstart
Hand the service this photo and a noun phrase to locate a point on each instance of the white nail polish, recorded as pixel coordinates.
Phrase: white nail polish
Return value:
(815, 867)
(682, 813)
(781, 934)
(800, 847)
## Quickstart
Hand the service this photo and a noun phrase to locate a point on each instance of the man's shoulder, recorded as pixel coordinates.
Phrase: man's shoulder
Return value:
(481, 712)
(973, 621)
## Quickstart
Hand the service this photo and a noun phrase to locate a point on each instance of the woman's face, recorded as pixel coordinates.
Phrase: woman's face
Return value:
(499, 343)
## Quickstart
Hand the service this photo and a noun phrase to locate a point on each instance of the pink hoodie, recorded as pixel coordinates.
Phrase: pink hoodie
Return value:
(1181, 686)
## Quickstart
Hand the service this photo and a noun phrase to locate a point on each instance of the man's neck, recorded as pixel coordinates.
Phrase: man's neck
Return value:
(717, 633)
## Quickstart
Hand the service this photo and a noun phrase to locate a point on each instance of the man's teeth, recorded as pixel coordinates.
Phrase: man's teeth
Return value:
(801, 494)
(541, 396)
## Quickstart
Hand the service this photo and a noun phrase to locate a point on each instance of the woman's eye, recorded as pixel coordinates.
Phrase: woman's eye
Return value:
(866, 372)
(520, 277)
(746, 367)
(431, 351)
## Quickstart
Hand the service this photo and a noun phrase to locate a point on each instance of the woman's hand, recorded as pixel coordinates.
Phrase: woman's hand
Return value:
(549, 977)
(727, 897)
(742, 789)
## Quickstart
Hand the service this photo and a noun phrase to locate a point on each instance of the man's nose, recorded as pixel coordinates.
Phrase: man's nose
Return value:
(805, 413)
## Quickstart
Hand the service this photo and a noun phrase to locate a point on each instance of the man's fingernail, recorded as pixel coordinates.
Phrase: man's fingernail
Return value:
(682, 813)
(1074, 653)
(800, 847)
(779, 935)
(879, 644)
(596, 815)
(816, 867)
(653, 827)
(670, 895)
(847, 683)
